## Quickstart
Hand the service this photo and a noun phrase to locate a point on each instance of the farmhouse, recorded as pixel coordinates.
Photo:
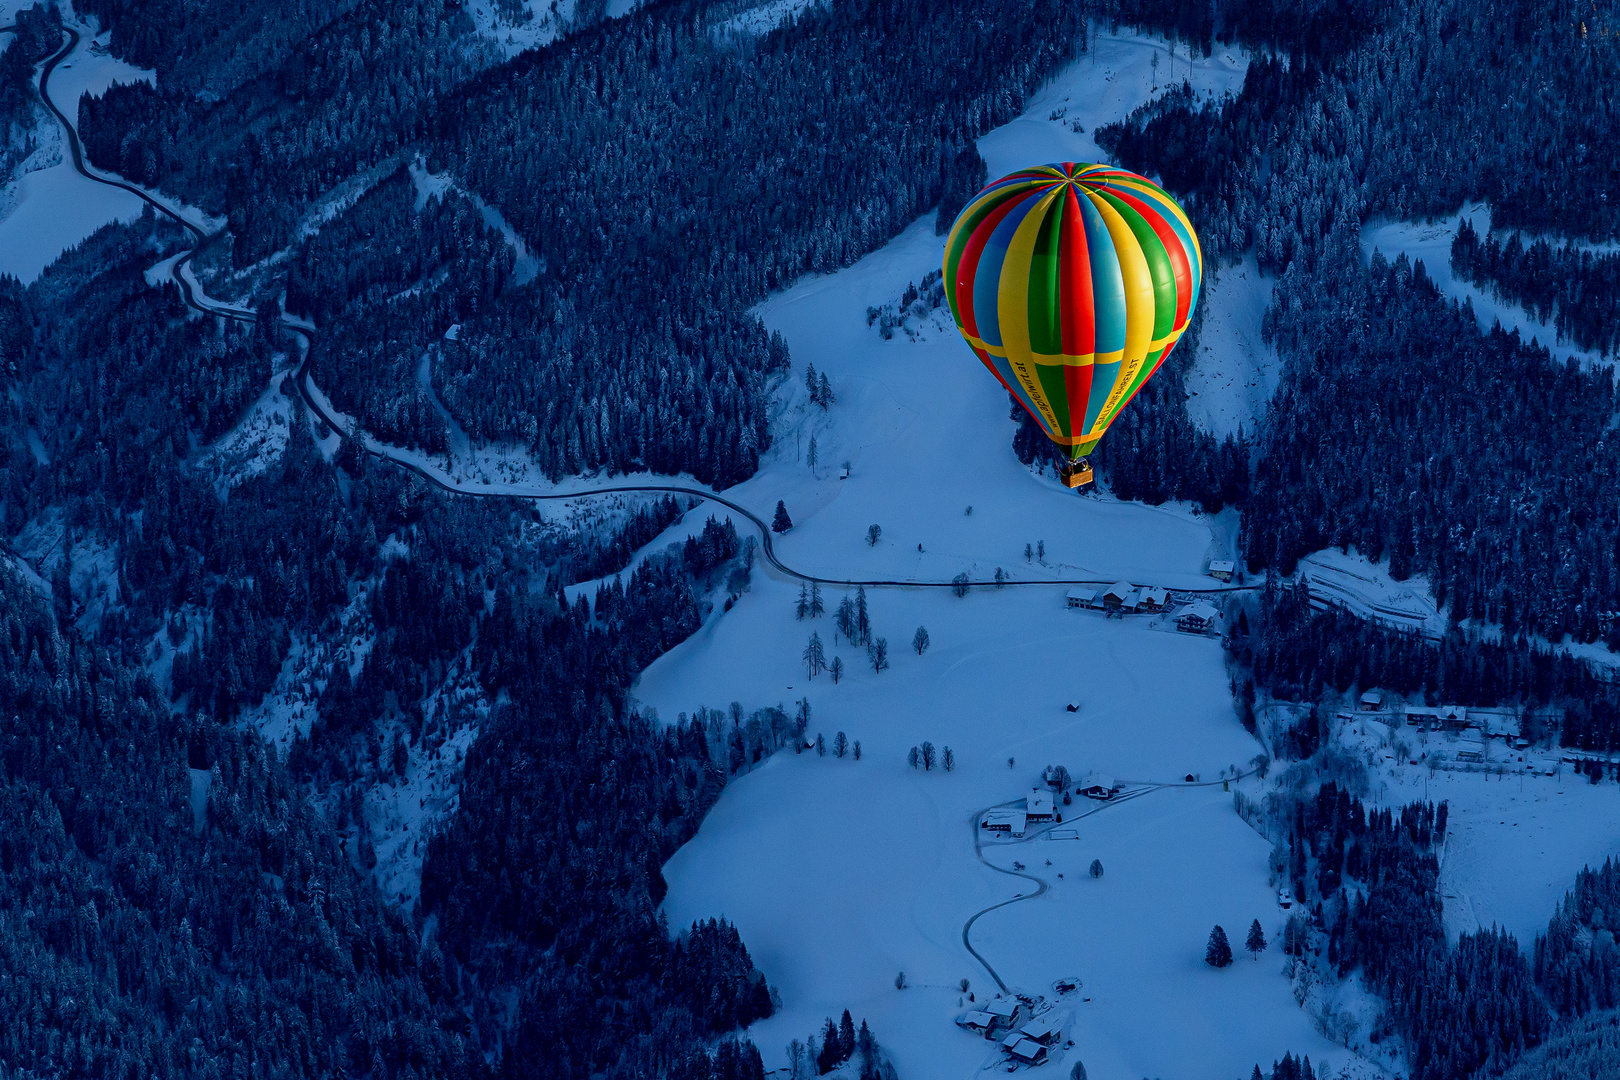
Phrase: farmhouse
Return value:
(1453, 717)
(1044, 1030)
(1120, 596)
(1027, 1051)
(1152, 598)
(1005, 1013)
(1007, 821)
(1080, 598)
(1372, 701)
(1038, 807)
(977, 1021)
(1222, 569)
(1097, 785)
(1201, 618)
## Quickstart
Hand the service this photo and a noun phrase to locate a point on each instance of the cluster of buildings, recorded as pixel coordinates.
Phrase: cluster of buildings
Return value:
(1123, 598)
(1472, 727)
(1025, 1041)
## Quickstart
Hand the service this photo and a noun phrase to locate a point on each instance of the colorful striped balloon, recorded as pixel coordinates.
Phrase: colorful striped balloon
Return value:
(1072, 283)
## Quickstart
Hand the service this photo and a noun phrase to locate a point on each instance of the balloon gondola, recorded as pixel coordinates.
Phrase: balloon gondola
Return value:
(1072, 283)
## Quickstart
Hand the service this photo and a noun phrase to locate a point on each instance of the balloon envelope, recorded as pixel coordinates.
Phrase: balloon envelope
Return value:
(1072, 283)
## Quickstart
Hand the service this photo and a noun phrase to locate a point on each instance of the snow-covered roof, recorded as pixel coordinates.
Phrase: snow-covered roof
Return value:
(1042, 1028)
(1004, 1008)
(1372, 697)
(1098, 780)
(1453, 712)
(1012, 820)
(1119, 590)
(1039, 802)
(1222, 566)
(1203, 611)
(1154, 594)
(978, 1018)
(1028, 1049)
(1084, 595)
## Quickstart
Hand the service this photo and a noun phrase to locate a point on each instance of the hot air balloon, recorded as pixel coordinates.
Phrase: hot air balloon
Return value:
(1072, 283)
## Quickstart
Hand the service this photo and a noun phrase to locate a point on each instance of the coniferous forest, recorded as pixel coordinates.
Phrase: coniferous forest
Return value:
(185, 898)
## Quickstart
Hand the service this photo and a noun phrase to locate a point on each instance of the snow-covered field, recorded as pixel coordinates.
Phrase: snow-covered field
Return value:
(1431, 242)
(1235, 372)
(55, 208)
(841, 874)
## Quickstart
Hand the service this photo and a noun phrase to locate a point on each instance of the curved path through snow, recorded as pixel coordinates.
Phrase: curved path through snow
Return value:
(199, 301)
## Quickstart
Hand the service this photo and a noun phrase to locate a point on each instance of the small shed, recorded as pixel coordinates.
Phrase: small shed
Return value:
(1222, 569)
(1080, 598)
(1006, 821)
(1372, 701)
(1201, 618)
(1120, 596)
(1471, 750)
(1152, 598)
(1044, 1030)
(1039, 807)
(1027, 1051)
(1096, 785)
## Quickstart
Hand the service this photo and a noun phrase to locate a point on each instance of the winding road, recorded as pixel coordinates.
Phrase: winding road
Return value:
(191, 292)
(1041, 884)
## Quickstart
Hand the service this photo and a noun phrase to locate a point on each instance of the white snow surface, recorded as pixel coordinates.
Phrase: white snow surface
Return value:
(1352, 581)
(764, 18)
(1431, 242)
(840, 873)
(1235, 373)
(53, 209)
(256, 441)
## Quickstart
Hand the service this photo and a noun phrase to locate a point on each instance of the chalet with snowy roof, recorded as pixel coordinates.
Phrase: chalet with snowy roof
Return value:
(1372, 701)
(978, 1021)
(1152, 598)
(1039, 806)
(1118, 595)
(1005, 1012)
(1080, 598)
(1201, 618)
(1044, 1030)
(1222, 569)
(1027, 1051)
(1098, 785)
(1011, 822)
(1453, 717)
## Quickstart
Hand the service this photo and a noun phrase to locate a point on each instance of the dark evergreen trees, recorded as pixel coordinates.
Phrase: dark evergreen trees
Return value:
(1218, 952)
(782, 523)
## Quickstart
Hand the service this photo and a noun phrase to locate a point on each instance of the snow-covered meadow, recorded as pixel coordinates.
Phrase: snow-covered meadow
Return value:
(841, 874)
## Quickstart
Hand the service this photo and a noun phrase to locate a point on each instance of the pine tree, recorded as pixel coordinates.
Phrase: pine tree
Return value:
(840, 745)
(1256, 943)
(948, 762)
(874, 533)
(928, 756)
(802, 608)
(846, 1036)
(914, 758)
(817, 608)
(1029, 553)
(919, 640)
(811, 382)
(781, 523)
(836, 669)
(845, 619)
(855, 751)
(810, 454)
(1218, 953)
(821, 751)
(815, 657)
(1096, 868)
(826, 392)
(863, 618)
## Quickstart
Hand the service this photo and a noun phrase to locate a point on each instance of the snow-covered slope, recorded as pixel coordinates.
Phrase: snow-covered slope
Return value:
(1235, 372)
(1351, 581)
(1431, 242)
(842, 873)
